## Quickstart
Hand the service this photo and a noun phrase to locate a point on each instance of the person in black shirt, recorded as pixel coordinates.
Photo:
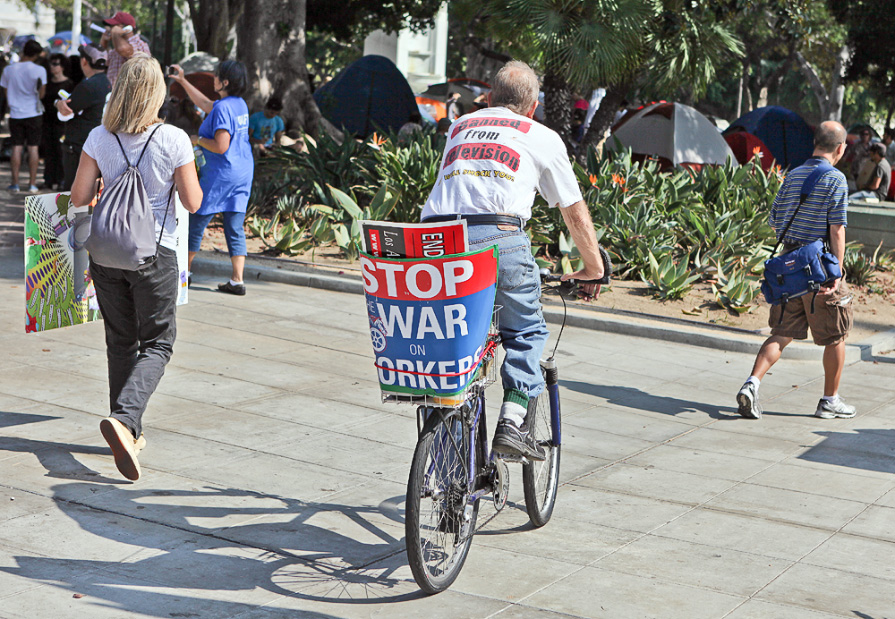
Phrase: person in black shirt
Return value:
(53, 128)
(85, 108)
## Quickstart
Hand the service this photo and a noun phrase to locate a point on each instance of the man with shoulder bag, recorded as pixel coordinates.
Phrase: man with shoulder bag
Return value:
(808, 212)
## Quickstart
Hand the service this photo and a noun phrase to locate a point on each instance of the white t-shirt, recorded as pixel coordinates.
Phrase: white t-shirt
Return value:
(495, 161)
(22, 82)
(170, 148)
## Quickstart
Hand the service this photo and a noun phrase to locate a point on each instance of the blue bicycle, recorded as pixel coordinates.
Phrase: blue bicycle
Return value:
(453, 469)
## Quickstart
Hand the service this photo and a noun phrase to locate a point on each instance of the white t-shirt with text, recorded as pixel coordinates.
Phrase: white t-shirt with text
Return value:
(22, 82)
(494, 162)
(170, 148)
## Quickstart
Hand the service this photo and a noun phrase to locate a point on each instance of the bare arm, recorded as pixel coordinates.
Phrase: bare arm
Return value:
(219, 144)
(581, 227)
(873, 185)
(41, 90)
(188, 188)
(121, 44)
(202, 102)
(83, 189)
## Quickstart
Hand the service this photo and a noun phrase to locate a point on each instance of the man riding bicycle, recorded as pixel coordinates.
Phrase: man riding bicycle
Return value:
(494, 162)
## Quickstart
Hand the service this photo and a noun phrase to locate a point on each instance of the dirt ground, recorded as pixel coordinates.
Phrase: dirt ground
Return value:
(874, 311)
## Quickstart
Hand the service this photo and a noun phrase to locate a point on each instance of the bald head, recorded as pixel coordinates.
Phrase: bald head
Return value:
(828, 137)
(515, 87)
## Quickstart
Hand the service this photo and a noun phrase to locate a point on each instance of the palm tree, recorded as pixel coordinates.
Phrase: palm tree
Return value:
(617, 44)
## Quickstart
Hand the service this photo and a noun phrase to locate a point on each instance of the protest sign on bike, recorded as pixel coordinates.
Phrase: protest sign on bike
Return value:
(429, 319)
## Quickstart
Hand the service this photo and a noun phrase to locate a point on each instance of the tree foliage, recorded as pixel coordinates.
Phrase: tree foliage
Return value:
(349, 20)
(870, 26)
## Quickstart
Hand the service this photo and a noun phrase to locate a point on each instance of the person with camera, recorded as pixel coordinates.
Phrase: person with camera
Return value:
(53, 129)
(138, 306)
(829, 315)
(229, 166)
(84, 109)
(121, 41)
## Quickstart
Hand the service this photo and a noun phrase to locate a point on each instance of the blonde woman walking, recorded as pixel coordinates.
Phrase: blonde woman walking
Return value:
(138, 307)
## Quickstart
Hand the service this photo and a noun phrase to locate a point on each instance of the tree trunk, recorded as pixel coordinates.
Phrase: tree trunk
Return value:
(271, 43)
(603, 117)
(558, 105)
(837, 88)
(212, 21)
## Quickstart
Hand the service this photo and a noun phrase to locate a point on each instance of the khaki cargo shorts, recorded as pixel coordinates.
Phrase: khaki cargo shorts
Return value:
(829, 324)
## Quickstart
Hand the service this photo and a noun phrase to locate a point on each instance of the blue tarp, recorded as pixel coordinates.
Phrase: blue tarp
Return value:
(368, 95)
(787, 136)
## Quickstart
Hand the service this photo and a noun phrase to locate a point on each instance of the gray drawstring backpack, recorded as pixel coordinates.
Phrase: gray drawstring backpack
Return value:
(122, 229)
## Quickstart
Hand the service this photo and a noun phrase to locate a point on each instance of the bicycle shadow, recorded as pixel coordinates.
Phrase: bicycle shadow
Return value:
(633, 398)
(313, 562)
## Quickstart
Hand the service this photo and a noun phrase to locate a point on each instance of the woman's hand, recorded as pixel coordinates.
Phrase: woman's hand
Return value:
(194, 139)
(178, 74)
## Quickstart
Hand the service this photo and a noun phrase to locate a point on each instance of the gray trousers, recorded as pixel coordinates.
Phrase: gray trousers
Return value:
(138, 309)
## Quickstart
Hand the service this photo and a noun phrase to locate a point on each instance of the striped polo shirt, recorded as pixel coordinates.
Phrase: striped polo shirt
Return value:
(825, 206)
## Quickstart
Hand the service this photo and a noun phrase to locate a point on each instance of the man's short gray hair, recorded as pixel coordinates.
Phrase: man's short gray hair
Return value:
(828, 136)
(515, 87)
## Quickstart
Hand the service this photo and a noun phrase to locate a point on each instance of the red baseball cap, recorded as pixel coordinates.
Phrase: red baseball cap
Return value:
(121, 19)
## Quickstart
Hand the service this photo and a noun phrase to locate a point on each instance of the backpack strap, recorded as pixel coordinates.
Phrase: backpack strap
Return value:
(142, 152)
(145, 146)
(807, 187)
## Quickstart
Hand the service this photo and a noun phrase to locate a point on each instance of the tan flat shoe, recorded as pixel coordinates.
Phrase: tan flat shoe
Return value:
(123, 446)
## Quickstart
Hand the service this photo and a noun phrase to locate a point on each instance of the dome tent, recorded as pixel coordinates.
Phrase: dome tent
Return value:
(743, 145)
(787, 136)
(675, 134)
(369, 94)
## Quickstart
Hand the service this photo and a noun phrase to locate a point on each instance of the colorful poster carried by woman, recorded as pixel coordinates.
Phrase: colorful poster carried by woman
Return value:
(58, 289)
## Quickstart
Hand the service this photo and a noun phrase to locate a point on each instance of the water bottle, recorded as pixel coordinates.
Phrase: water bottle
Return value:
(200, 157)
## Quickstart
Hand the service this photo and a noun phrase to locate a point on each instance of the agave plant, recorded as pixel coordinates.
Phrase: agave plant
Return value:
(669, 279)
(736, 289)
(859, 269)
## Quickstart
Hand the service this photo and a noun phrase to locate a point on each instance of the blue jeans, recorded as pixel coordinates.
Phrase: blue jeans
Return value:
(521, 321)
(234, 231)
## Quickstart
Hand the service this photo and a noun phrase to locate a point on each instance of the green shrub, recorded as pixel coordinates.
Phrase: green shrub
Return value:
(735, 289)
(667, 279)
(859, 269)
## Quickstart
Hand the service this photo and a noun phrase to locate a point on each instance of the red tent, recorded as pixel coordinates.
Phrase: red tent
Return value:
(743, 145)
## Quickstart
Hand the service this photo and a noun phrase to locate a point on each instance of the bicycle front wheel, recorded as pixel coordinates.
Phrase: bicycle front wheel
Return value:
(439, 522)
(540, 480)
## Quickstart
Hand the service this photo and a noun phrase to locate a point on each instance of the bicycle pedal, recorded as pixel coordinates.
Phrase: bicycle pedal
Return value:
(512, 458)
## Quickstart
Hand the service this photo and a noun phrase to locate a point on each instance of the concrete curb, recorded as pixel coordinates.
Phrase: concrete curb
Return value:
(669, 330)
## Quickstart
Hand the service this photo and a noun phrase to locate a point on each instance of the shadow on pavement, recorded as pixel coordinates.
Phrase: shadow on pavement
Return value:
(286, 555)
(631, 397)
(868, 449)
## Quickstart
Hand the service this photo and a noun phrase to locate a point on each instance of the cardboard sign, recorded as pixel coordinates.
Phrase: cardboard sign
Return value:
(429, 319)
(58, 289)
(392, 240)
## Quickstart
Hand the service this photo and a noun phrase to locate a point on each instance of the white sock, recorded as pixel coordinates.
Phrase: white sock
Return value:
(832, 399)
(513, 412)
(233, 283)
(754, 380)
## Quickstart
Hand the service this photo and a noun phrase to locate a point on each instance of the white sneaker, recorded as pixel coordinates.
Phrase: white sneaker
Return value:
(747, 399)
(33, 189)
(827, 410)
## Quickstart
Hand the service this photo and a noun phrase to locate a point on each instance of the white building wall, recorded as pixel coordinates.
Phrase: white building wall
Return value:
(41, 22)
(422, 58)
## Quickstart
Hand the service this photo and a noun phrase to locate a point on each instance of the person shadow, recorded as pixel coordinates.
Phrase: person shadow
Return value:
(189, 544)
(637, 399)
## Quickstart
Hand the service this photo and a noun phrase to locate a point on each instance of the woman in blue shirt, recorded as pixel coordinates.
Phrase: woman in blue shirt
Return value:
(226, 177)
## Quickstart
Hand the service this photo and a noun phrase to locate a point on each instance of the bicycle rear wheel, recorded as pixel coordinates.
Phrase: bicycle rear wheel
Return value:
(439, 524)
(540, 480)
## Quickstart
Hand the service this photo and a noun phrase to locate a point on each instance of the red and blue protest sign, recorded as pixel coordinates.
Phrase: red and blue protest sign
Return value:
(429, 319)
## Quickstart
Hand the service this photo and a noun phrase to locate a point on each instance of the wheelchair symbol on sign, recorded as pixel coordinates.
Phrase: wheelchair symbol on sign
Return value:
(377, 334)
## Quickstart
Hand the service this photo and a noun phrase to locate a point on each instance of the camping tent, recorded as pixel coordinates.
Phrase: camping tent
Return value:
(674, 133)
(788, 137)
(61, 42)
(743, 145)
(368, 95)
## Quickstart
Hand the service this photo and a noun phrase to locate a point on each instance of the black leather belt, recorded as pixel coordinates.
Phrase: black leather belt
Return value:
(479, 219)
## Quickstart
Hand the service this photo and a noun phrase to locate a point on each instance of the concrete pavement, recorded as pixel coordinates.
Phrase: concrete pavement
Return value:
(274, 480)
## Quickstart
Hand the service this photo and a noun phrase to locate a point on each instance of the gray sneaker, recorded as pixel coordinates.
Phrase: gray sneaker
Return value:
(747, 399)
(825, 410)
